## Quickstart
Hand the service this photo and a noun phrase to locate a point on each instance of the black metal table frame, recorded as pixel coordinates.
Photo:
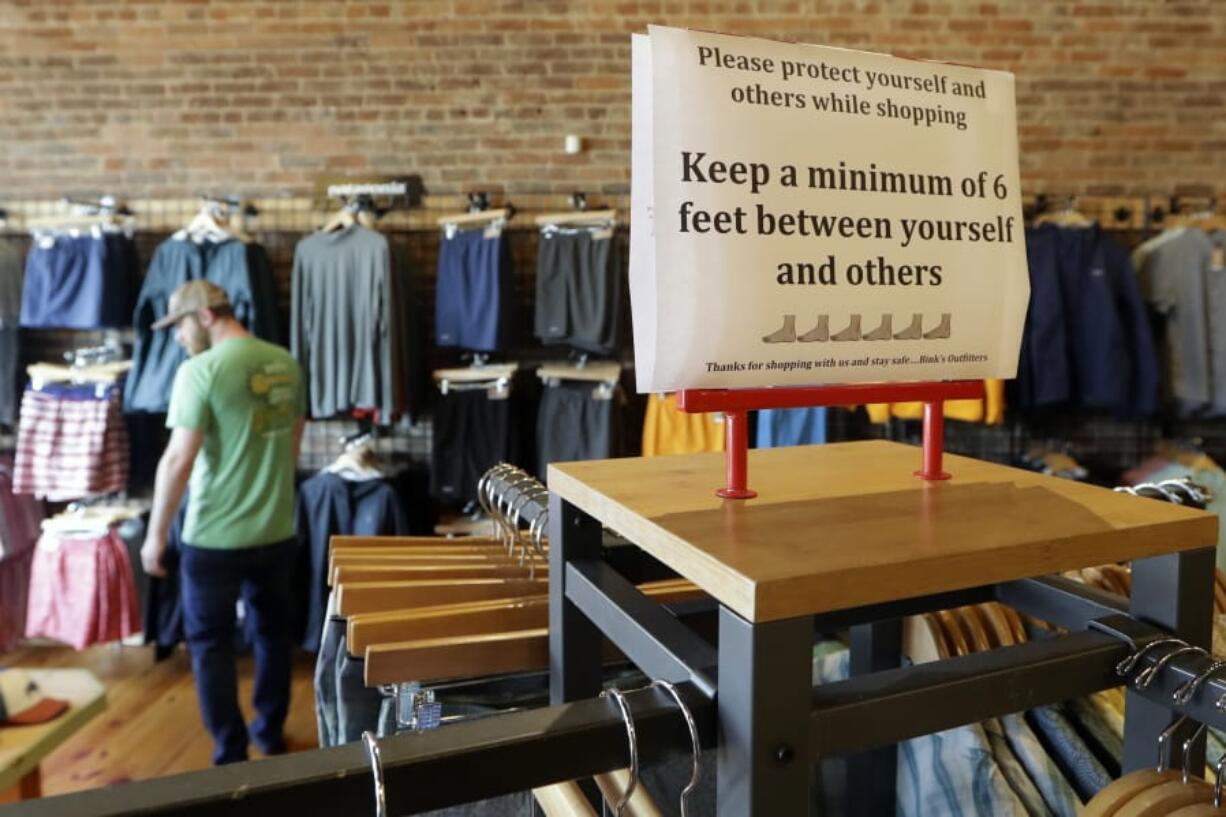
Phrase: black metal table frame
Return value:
(751, 698)
(773, 725)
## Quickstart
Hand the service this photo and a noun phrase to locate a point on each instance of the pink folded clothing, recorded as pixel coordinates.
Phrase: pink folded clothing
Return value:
(71, 442)
(82, 591)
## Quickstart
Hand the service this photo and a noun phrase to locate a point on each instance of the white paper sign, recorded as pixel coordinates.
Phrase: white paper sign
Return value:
(804, 215)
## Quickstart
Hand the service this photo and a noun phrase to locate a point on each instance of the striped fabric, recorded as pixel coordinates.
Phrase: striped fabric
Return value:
(71, 443)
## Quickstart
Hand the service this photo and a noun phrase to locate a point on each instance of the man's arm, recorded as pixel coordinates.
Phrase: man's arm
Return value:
(173, 471)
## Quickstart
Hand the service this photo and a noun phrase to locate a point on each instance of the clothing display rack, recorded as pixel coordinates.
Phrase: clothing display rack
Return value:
(887, 546)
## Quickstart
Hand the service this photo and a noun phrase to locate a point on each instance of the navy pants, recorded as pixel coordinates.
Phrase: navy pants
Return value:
(212, 582)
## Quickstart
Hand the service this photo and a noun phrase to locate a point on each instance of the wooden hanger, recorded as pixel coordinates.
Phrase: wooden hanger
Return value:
(576, 217)
(974, 626)
(493, 559)
(1199, 810)
(446, 620)
(471, 618)
(69, 221)
(346, 217)
(601, 371)
(419, 554)
(1162, 799)
(568, 800)
(613, 784)
(372, 597)
(1006, 636)
(342, 542)
(923, 641)
(953, 633)
(563, 800)
(995, 639)
(405, 544)
(477, 374)
(376, 573)
(1068, 216)
(467, 656)
(91, 518)
(237, 225)
(205, 226)
(100, 373)
(449, 557)
(1203, 220)
(1119, 793)
(481, 217)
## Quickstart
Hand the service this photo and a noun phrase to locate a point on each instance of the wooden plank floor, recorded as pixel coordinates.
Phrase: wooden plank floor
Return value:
(151, 726)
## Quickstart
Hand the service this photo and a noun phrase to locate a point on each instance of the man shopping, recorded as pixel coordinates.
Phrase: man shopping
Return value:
(236, 414)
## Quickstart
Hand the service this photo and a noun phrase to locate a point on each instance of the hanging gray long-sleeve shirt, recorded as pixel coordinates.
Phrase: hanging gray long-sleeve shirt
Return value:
(1174, 282)
(341, 321)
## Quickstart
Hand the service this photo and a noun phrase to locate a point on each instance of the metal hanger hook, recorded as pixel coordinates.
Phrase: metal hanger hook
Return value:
(1187, 751)
(632, 737)
(376, 769)
(693, 727)
(1220, 770)
(1165, 736)
(1186, 692)
(1146, 677)
(537, 532)
(1126, 666)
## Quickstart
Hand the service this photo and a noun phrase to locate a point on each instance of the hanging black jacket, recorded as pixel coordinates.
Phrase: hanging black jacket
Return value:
(329, 505)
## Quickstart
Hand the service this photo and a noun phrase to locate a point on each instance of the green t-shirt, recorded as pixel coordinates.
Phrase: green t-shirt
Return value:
(245, 395)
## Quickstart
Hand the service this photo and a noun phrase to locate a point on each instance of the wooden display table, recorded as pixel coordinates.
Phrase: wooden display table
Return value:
(22, 748)
(844, 535)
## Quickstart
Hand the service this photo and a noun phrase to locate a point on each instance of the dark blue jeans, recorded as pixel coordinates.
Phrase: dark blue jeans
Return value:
(212, 582)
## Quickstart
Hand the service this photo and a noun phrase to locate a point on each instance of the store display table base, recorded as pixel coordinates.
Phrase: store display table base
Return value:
(843, 535)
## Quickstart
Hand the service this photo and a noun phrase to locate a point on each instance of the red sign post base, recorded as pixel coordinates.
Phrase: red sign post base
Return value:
(736, 403)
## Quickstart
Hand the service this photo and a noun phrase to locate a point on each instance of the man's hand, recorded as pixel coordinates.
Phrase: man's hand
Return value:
(151, 556)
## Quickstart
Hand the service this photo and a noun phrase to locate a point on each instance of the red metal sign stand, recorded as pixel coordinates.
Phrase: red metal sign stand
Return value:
(734, 403)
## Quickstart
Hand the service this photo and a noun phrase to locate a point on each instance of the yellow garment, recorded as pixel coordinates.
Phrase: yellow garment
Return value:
(990, 410)
(668, 430)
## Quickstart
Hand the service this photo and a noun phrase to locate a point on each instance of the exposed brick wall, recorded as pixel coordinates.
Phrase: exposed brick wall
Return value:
(175, 97)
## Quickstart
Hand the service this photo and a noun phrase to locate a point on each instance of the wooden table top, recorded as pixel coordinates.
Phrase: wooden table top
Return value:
(846, 524)
(23, 747)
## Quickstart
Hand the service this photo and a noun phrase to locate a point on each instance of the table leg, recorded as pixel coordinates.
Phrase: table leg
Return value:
(1176, 593)
(872, 776)
(574, 641)
(765, 695)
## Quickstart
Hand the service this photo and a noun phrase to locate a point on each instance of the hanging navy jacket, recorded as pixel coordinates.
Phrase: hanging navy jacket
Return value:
(1088, 340)
(330, 505)
(242, 270)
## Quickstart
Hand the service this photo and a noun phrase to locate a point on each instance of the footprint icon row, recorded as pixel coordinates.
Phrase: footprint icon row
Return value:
(885, 331)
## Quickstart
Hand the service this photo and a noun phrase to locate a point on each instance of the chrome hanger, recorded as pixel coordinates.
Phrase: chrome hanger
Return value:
(632, 737)
(1187, 752)
(505, 502)
(1186, 692)
(689, 722)
(1219, 770)
(1166, 736)
(1126, 666)
(376, 770)
(536, 533)
(1147, 676)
